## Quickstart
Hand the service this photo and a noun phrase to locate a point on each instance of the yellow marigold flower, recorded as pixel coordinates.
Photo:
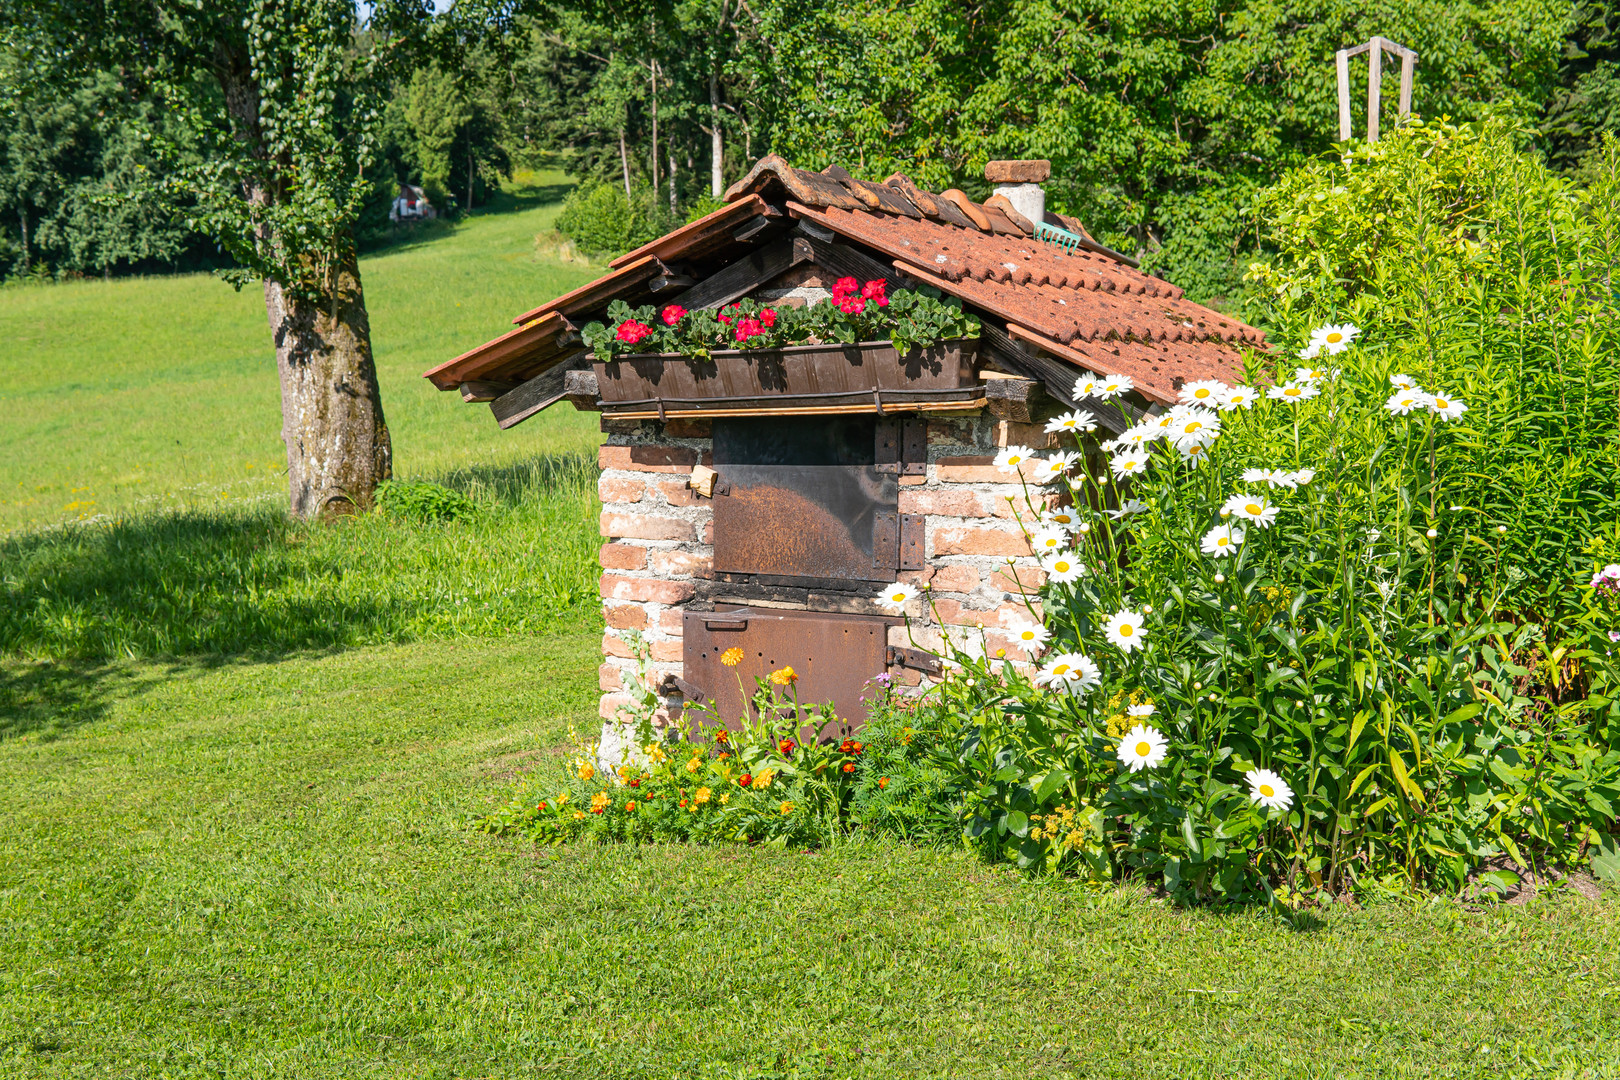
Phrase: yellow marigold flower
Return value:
(694, 765)
(600, 802)
(562, 800)
(785, 677)
(656, 755)
(763, 778)
(731, 657)
(725, 799)
(701, 795)
(786, 808)
(579, 815)
(586, 770)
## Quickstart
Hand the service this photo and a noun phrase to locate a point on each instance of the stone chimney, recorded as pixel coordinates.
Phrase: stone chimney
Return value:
(1020, 183)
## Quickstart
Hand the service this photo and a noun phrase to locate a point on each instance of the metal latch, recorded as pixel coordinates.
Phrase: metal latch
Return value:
(915, 659)
(675, 684)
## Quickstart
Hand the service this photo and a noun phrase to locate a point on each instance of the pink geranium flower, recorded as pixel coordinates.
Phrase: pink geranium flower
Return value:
(631, 331)
(673, 314)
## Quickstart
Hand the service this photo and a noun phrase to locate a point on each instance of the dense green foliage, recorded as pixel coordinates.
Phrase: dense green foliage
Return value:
(1476, 269)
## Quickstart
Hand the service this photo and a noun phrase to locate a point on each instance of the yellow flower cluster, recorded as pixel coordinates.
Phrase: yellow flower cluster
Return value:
(786, 808)
(784, 677)
(586, 770)
(731, 657)
(763, 778)
(600, 802)
(655, 754)
(702, 795)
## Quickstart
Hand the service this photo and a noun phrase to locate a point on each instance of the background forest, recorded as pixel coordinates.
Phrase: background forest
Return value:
(1162, 121)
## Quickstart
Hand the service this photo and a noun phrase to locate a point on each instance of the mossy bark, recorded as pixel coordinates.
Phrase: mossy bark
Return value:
(338, 449)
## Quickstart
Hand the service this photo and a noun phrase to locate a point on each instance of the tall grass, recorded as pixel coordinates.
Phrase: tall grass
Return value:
(246, 579)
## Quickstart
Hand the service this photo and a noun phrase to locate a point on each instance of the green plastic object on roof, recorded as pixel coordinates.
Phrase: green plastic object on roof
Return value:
(1063, 238)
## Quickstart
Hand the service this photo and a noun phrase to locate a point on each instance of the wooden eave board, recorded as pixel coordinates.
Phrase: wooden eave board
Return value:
(599, 292)
(527, 344)
(677, 244)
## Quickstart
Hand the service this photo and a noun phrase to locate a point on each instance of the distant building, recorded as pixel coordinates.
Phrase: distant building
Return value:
(411, 205)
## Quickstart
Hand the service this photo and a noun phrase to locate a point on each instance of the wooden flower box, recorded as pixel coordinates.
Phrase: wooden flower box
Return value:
(798, 371)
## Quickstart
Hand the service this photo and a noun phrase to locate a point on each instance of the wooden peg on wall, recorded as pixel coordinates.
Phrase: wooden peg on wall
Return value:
(1375, 48)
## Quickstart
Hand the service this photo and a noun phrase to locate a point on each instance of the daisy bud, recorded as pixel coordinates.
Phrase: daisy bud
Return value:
(1198, 686)
(1431, 534)
(970, 682)
(1212, 697)
(1232, 608)
(1501, 528)
(1220, 579)
(1147, 609)
(1084, 527)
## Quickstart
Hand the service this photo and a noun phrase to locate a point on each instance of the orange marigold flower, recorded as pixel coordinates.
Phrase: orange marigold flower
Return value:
(787, 746)
(600, 802)
(883, 782)
(731, 657)
(849, 766)
(745, 779)
(630, 807)
(722, 735)
(785, 677)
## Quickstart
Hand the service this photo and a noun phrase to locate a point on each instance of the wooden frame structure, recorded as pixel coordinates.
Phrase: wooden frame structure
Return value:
(1375, 48)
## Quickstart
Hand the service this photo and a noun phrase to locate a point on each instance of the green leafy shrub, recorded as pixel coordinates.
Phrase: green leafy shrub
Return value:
(423, 500)
(1478, 269)
(602, 221)
(1264, 671)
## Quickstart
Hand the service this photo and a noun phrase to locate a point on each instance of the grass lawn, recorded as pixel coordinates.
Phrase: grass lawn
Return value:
(256, 869)
(238, 759)
(163, 391)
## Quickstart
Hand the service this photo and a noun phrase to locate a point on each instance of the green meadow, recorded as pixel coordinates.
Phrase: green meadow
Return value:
(239, 758)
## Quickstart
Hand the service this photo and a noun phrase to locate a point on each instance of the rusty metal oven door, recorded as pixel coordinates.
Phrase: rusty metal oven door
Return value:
(811, 498)
(835, 657)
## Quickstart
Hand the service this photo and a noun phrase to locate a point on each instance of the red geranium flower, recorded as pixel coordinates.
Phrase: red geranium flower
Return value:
(767, 316)
(631, 331)
(851, 305)
(874, 288)
(787, 746)
(636, 782)
(745, 779)
(673, 314)
(747, 328)
(725, 319)
(844, 286)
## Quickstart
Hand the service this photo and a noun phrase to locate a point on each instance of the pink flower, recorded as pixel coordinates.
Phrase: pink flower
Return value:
(673, 314)
(844, 286)
(631, 331)
(767, 317)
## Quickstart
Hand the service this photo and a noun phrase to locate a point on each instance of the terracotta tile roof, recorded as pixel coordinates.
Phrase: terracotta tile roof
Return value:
(1090, 306)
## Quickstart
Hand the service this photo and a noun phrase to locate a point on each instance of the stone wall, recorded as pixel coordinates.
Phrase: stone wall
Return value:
(658, 536)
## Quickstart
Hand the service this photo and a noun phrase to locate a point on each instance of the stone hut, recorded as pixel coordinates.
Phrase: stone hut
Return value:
(763, 502)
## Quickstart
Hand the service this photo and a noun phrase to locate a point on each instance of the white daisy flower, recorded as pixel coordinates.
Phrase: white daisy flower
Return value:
(1087, 386)
(1056, 467)
(1145, 709)
(1012, 457)
(1076, 421)
(1206, 392)
(1048, 541)
(1115, 385)
(1403, 382)
(1128, 464)
(1331, 339)
(1402, 402)
(1162, 423)
(1060, 517)
(1069, 671)
(1256, 508)
(1062, 567)
(1274, 477)
(1193, 453)
(1196, 425)
(897, 596)
(1239, 397)
(1315, 374)
(1124, 630)
(1293, 393)
(1031, 637)
(1142, 748)
(1139, 435)
(1222, 540)
(1302, 476)
(1268, 789)
(1446, 406)
(1126, 509)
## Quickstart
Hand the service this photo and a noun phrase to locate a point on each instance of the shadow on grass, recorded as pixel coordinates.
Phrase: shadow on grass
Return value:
(407, 237)
(47, 699)
(247, 581)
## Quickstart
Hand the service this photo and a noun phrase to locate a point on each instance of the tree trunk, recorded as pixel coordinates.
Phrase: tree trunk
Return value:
(624, 160)
(717, 181)
(338, 449)
(22, 214)
(672, 201)
(655, 129)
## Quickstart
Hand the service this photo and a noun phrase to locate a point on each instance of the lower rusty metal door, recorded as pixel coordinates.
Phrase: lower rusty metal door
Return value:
(834, 656)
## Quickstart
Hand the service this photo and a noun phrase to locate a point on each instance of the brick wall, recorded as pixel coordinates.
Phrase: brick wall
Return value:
(657, 540)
